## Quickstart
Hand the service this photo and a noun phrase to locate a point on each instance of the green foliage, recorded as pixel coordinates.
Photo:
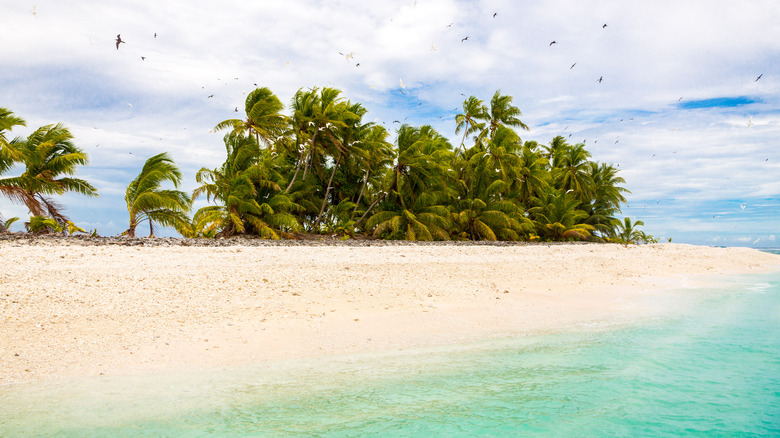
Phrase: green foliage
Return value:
(323, 169)
(147, 201)
(6, 224)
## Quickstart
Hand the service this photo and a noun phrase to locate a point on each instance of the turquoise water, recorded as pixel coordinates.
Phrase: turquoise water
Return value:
(713, 370)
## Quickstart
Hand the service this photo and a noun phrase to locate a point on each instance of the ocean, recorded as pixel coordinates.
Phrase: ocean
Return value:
(711, 370)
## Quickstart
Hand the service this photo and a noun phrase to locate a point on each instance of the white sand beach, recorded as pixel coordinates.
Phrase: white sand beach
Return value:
(76, 310)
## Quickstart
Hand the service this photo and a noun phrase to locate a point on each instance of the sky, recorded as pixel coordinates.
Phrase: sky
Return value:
(688, 105)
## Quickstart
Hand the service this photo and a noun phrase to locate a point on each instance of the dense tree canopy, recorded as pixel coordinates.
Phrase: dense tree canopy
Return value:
(323, 169)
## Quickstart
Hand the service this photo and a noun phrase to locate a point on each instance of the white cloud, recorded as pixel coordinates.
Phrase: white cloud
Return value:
(64, 67)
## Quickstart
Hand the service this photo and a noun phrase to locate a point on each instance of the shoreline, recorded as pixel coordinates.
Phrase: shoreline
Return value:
(71, 310)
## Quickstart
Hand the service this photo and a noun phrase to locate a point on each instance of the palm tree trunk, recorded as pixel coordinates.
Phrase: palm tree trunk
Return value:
(309, 153)
(151, 228)
(362, 189)
(295, 175)
(327, 191)
(379, 199)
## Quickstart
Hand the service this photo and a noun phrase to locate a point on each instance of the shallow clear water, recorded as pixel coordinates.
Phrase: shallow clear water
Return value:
(710, 371)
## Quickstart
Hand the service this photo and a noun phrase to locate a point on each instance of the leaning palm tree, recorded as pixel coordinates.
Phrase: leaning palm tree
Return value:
(147, 201)
(47, 154)
(9, 156)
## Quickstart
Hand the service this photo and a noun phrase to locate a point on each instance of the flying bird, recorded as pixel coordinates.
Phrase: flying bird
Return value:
(494, 14)
(155, 34)
(750, 122)
(34, 12)
(118, 41)
(759, 77)
(464, 39)
(601, 79)
(572, 66)
(604, 26)
(143, 58)
(401, 82)
(357, 65)
(210, 96)
(235, 110)
(433, 48)
(553, 42)
(396, 121)
(450, 25)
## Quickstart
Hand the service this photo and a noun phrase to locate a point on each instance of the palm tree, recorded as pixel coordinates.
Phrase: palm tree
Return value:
(315, 116)
(146, 201)
(236, 186)
(422, 165)
(425, 219)
(557, 217)
(628, 231)
(47, 154)
(532, 176)
(10, 155)
(574, 173)
(473, 110)
(263, 117)
(501, 113)
(607, 197)
(342, 144)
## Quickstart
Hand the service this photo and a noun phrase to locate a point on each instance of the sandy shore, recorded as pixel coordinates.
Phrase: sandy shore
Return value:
(88, 310)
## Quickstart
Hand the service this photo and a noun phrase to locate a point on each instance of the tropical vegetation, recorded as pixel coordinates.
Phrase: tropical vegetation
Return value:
(322, 168)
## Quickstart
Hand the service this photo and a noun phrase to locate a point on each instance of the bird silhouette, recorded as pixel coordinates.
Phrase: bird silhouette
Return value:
(118, 41)
(235, 110)
(155, 34)
(210, 96)
(759, 77)
(357, 65)
(553, 42)
(450, 25)
(464, 39)
(143, 58)
(494, 14)
(601, 79)
(572, 66)
(604, 26)
(401, 82)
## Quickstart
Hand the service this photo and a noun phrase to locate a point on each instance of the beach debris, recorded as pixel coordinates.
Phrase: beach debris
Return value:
(118, 41)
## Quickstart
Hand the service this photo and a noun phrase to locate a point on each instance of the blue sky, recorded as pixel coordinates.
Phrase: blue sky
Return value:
(679, 109)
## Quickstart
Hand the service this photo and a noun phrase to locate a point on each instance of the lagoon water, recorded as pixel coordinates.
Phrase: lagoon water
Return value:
(711, 370)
